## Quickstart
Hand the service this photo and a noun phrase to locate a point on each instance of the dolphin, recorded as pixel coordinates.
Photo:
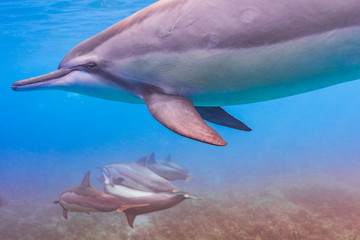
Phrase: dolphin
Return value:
(135, 175)
(84, 198)
(185, 59)
(169, 163)
(168, 171)
(154, 201)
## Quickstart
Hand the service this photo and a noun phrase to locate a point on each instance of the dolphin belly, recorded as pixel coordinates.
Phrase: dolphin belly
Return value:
(245, 75)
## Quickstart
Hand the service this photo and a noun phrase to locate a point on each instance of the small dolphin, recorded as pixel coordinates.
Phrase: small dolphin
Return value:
(84, 198)
(169, 163)
(137, 176)
(168, 170)
(184, 59)
(155, 201)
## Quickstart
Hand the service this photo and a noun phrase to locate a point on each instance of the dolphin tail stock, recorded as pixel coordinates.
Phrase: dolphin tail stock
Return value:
(219, 116)
(127, 206)
(180, 116)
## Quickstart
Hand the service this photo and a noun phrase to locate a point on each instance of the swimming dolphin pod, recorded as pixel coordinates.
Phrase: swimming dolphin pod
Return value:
(128, 188)
(84, 198)
(185, 59)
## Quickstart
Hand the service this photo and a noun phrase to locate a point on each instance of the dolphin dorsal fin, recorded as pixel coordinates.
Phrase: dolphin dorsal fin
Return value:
(142, 161)
(178, 114)
(152, 159)
(130, 218)
(85, 182)
(168, 158)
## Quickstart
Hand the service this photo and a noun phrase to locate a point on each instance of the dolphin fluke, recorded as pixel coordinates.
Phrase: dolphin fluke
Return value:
(219, 116)
(179, 115)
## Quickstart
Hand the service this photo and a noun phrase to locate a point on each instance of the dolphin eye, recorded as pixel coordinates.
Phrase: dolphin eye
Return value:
(91, 65)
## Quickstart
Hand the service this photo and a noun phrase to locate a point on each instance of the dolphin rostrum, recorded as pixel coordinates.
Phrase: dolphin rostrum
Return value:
(137, 176)
(84, 198)
(152, 201)
(174, 55)
(167, 169)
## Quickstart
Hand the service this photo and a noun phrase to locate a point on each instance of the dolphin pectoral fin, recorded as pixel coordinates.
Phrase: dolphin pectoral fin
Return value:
(65, 213)
(219, 116)
(179, 115)
(130, 218)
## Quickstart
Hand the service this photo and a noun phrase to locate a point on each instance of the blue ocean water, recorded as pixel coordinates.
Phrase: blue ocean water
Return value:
(49, 139)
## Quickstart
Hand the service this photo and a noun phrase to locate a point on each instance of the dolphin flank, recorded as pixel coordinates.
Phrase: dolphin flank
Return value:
(185, 59)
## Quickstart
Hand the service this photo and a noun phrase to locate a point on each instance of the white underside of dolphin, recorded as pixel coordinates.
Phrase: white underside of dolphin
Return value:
(175, 55)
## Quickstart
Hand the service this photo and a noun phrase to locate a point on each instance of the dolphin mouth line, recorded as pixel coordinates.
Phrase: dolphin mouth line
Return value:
(40, 79)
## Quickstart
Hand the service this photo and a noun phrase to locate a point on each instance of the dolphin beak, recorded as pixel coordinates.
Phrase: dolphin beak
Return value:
(37, 82)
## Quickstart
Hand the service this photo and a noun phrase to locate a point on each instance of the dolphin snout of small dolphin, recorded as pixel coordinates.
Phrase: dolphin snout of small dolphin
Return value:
(43, 80)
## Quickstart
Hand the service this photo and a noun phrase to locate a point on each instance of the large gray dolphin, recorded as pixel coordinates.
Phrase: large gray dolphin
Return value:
(167, 169)
(137, 176)
(174, 55)
(152, 201)
(84, 198)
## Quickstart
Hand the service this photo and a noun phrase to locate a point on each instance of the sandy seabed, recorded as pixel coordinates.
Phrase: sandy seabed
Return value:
(282, 209)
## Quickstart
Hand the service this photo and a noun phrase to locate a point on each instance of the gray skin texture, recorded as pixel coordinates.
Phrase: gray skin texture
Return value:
(176, 54)
(155, 201)
(165, 170)
(84, 198)
(138, 177)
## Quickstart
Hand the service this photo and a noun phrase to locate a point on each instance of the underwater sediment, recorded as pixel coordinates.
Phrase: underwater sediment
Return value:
(313, 208)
